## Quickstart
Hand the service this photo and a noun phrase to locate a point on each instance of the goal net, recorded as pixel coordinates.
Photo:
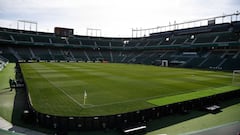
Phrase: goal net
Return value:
(236, 77)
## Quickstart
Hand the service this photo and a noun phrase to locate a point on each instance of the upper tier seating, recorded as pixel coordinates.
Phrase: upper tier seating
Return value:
(116, 43)
(58, 40)
(40, 39)
(228, 37)
(216, 46)
(74, 41)
(5, 36)
(87, 42)
(21, 37)
(103, 43)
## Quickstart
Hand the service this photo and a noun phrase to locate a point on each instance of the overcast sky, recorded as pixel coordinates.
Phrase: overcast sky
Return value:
(113, 17)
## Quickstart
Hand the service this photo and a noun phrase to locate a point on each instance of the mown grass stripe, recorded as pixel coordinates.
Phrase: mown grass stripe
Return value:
(62, 90)
(193, 95)
(112, 88)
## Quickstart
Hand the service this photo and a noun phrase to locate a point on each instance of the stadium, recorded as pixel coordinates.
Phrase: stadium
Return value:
(82, 83)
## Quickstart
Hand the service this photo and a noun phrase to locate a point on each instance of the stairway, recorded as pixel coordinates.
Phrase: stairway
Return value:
(85, 53)
(14, 53)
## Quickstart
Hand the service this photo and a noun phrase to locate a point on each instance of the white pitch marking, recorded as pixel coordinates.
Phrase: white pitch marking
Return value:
(74, 100)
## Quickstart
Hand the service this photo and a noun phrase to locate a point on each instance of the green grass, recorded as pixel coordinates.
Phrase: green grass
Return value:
(58, 88)
(6, 96)
(227, 115)
(4, 132)
(192, 95)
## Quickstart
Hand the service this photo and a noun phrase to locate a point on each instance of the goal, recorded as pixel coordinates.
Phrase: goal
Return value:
(236, 77)
(165, 63)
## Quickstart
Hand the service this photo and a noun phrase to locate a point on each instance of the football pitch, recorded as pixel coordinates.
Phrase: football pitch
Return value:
(60, 88)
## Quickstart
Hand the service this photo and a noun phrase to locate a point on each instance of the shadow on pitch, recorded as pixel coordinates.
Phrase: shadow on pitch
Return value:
(5, 90)
(178, 118)
(20, 101)
(20, 104)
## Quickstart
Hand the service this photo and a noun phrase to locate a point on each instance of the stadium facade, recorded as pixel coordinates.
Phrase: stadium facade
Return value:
(214, 47)
(208, 47)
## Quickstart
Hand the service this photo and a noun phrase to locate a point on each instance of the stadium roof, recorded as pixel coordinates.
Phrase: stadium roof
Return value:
(113, 17)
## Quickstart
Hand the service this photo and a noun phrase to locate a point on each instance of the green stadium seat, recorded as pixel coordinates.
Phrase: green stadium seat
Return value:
(102, 43)
(116, 44)
(228, 37)
(21, 37)
(41, 39)
(74, 41)
(58, 40)
(87, 42)
(205, 38)
(5, 36)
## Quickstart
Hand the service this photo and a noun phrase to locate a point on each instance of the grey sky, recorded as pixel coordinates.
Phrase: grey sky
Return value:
(114, 17)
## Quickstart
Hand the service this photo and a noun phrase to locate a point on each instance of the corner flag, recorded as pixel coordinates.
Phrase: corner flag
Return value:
(85, 97)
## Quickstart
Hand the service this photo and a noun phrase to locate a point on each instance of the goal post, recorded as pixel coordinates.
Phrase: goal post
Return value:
(164, 63)
(236, 77)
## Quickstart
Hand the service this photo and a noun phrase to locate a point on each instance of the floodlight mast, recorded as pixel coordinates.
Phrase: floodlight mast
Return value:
(24, 22)
(139, 32)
